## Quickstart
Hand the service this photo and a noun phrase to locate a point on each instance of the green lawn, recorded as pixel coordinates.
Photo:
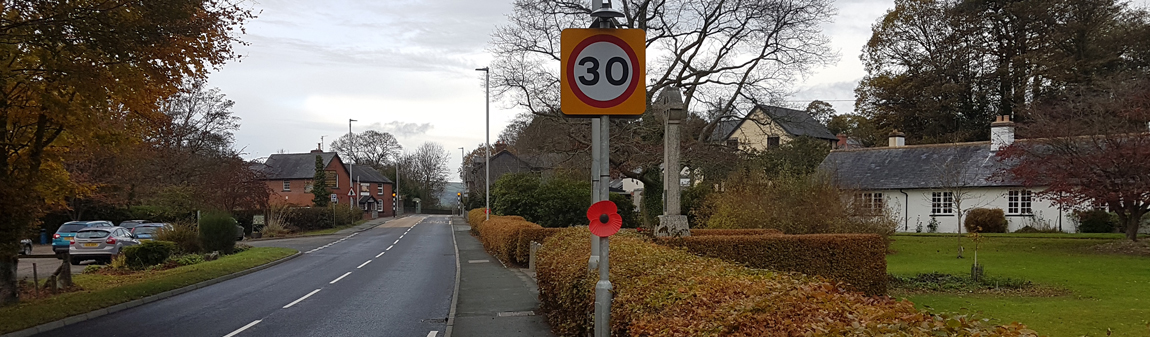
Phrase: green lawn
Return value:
(1107, 291)
(101, 291)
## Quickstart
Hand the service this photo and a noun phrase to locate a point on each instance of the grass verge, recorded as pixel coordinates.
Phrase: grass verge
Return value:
(1105, 291)
(101, 291)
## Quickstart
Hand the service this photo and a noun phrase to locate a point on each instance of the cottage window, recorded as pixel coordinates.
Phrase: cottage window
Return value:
(379, 189)
(733, 142)
(942, 203)
(1019, 202)
(365, 187)
(772, 142)
(379, 206)
(870, 203)
(287, 186)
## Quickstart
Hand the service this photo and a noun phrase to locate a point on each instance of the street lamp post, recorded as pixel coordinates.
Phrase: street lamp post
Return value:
(350, 149)
(487, 141)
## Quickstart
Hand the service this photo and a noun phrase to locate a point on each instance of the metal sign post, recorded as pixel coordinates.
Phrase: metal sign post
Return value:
(602, 74)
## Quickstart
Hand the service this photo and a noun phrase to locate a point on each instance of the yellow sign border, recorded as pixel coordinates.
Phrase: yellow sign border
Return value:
(570, 103)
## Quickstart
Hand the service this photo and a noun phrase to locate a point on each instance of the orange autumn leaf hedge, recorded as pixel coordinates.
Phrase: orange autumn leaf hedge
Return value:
(663, 291)
(508, 238)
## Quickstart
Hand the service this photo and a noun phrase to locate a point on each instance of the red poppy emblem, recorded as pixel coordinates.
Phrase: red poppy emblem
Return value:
(605, 219)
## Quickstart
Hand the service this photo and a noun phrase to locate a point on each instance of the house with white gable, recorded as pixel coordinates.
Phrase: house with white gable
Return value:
(919, 183)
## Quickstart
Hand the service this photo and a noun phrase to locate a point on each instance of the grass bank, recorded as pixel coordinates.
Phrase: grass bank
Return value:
(101, 291)
(1105, 291)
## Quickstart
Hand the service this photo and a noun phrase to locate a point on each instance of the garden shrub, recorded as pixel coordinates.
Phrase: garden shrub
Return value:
(185, 235)
(148, 254)
(990, 220)
(501, 237)
(1095, 221)
(556, 202)
(660, 291)
(217, 232)
(856, 259)
(810, 204)
(310, 218)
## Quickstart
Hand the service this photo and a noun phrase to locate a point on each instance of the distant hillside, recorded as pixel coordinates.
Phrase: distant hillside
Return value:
(449, 198)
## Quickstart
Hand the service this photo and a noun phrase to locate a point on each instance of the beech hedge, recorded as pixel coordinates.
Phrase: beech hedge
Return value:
(501, 236)
(857, 259)
(662, 291)
(748, 231)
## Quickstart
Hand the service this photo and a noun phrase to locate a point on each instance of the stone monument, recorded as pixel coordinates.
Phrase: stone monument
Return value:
(671, 223)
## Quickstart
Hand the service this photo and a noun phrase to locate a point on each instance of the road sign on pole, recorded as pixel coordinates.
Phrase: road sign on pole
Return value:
(603, 72)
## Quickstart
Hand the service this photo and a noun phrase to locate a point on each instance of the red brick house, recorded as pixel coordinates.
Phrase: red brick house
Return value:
(289, 176)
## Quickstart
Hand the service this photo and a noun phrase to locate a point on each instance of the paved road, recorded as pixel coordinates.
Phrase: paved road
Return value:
(393, 280)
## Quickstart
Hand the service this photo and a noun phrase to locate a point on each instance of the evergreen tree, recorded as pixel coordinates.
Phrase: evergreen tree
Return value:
(319, 185)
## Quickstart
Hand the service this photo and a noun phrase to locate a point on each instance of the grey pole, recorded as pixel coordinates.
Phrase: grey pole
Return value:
(398, 203)
(350, 148)
(487, 141)
(596, 129)
(601, 141)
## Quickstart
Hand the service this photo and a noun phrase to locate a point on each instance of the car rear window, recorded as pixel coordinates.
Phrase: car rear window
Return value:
(145, 230)
(71, 228)
(91, 234)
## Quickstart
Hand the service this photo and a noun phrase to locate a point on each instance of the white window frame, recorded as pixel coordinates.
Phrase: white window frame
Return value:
(287, 186)
(379, 206)
(942, 203)
(1020, 202)
(379, 189)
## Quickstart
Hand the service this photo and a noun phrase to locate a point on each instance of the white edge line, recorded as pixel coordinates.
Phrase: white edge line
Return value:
(454, 295)
(301, 298)
(364, 264)
(241, 329)
(432, 333)
(339, 278)
(380, 254)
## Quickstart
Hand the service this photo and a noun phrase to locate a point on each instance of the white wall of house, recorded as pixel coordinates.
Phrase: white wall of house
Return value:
(916, 206)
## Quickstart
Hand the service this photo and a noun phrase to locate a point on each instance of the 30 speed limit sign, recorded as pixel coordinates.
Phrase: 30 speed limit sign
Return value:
(603, 73)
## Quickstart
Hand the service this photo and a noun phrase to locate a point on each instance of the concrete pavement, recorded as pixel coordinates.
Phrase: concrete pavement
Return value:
(493, 300)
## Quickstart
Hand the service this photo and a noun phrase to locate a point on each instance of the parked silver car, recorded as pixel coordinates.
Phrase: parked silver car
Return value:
(25, 247)
(100, 244)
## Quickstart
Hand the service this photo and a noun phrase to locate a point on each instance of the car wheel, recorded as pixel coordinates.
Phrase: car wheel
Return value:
(75, 261)
(27, 250)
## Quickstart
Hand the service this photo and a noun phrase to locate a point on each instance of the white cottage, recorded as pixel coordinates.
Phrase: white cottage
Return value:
(940, 181)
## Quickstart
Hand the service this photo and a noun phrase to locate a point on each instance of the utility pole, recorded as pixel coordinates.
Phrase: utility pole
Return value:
(351, 164)
(487, 140)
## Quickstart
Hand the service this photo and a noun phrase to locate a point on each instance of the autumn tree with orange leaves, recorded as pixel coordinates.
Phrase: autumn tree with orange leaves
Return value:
(81, 73)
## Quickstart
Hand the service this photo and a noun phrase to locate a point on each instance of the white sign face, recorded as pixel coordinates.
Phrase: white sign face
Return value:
(334, 198)
(603, 71)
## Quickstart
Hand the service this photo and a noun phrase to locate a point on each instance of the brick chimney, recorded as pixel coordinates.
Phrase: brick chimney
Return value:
(896, 139)
(842, 144)
(1001, 133)
(499, 147)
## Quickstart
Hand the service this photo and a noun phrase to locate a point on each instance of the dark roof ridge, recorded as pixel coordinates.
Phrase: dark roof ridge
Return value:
(916, 146)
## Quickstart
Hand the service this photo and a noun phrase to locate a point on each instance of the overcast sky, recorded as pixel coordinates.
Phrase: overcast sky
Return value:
(407, 67)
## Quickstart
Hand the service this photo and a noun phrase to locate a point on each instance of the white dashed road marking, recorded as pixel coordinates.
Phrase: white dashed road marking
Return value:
(364, 264)
(301, 298)
(432, 333)
(241, 329)
(339, 278)
(380, 254)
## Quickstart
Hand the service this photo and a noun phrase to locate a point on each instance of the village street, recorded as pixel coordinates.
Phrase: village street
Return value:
(393, 280)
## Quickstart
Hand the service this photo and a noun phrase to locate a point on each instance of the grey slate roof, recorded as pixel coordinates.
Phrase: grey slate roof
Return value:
(917, 167)
(366, 174)
(285, 166)
(724, 129)
(795, 122)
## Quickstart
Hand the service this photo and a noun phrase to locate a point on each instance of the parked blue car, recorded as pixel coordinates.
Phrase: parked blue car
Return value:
(62, 240)
(147, 231)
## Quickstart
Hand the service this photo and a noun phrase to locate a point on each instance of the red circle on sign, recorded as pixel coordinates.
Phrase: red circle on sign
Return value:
(604, 210)
(634, 71)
